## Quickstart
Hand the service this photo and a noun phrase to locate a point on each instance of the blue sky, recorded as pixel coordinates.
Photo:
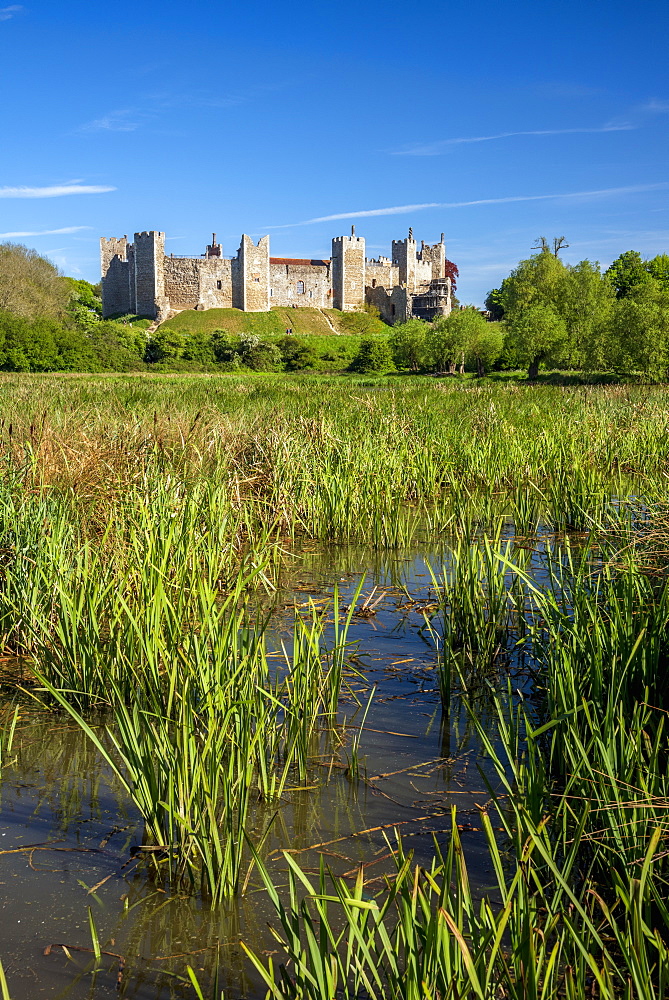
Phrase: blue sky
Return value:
(493, 123)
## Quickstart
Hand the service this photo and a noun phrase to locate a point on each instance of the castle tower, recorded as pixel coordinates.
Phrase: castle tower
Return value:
(405, 258)
(117, 280)
(250, 276)
(348, 271)
(115, 246)
(436, 254)
(150, 274)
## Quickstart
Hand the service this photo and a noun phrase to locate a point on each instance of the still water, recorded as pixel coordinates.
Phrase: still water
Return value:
(69, 837)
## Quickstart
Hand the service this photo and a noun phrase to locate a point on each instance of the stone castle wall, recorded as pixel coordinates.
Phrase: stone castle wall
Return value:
(295, 282)
(182, 282)
(405, 259)
(215, 283)
(417, 268)
(394, 304)
(117, 291)
(381, 274)
(138, 278)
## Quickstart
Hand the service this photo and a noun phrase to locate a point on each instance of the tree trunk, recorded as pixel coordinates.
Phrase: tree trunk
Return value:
(451, 367)
(480, 368)
(462, 363)
(533, 370)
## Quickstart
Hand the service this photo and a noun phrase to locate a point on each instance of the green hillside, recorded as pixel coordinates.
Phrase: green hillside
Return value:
(275, 322)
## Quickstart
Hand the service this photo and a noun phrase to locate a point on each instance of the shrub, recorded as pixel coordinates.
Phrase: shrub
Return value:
(374, 355)
(259, 355)
(296, 356)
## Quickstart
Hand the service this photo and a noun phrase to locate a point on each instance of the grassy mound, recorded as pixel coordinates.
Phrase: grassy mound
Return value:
(305, 320)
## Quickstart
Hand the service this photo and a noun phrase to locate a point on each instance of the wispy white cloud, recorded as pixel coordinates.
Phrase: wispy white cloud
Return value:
(636, 117)
(125, 120)
(435, 148)
(153, 106)
(56, 191)
(7, 12)
(45, 232)
(655, 107)
(405, 209)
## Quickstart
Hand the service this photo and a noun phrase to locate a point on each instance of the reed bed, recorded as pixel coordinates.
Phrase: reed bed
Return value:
(144, 524)
(339, 462)
(576, 826)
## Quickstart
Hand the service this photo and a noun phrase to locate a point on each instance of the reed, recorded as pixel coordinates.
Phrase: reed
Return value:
(327, 459)
(427, 935)
(144, 525)
(579, 904)
(203, 731)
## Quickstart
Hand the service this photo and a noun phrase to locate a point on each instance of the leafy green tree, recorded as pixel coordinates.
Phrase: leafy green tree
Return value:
(408, 343)
(374, 355)
(85, 306)
(259, 355)
(585, 306)
(537, 334)
(225, 348)
(43, 345)
(451, 335)
(538, 280)
(198, 346)
(579, 295)
(494, 303)
(627, 272)
(30, 285)
(118, 348)
(166, 344)
(74, 351)
(485, 346)
(296, 355)
(658, 268)
(639, 338)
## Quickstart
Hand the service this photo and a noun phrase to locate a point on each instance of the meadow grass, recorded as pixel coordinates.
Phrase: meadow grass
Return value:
(143, 521)
(304, 321)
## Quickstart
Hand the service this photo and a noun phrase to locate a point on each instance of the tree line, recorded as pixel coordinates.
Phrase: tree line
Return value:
(550, 314)
(546, 313)
(575, 316)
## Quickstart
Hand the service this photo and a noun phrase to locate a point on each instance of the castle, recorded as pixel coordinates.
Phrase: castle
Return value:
(140, 278)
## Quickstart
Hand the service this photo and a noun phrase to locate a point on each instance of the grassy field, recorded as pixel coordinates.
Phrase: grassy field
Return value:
(313, 322)
(139, 516)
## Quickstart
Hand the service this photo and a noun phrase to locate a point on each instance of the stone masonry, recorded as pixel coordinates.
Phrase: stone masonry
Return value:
(139, 278)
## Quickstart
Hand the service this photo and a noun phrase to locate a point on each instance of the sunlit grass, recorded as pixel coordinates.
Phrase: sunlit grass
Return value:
(144, 525)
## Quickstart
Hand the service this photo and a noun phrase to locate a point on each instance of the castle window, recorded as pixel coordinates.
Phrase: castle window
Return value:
(373, 282)
(311, 295)
(257, 279)
(219, 285)
(300, 288)
(271, 291)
